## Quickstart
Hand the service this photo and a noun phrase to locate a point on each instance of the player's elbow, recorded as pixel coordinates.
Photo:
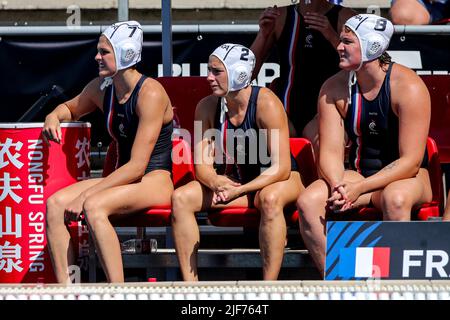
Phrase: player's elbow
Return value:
(413, 166)
(138, 169)
(284, 171)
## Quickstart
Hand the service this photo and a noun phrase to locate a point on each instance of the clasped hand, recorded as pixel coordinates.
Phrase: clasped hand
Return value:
(343, 196)
(225, 190)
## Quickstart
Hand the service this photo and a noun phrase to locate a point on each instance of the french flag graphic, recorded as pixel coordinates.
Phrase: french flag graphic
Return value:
(364, 262)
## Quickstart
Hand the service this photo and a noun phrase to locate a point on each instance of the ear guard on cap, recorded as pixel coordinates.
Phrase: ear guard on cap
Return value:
(239, 62)
(128, 52)
(374, 34)
(240, 75)
(126, 39)
(374, 47)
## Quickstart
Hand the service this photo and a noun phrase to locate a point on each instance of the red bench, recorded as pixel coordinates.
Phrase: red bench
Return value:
(426, 210)
(182, 173)
(249, 216)
(184, 94)
(439, 88)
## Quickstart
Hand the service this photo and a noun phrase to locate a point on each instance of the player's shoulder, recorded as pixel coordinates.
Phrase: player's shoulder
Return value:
(336, 82)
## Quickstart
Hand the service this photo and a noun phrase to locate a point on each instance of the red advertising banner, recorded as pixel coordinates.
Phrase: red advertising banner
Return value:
(30, 172)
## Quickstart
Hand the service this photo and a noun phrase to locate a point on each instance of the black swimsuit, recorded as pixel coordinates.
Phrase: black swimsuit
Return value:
(372, 128)
(248, 156)
(122, 123)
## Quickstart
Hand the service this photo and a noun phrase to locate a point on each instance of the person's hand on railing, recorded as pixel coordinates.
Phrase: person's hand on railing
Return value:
(52, 130)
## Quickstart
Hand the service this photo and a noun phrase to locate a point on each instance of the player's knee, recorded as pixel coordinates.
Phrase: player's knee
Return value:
(182, 200)
(94, 212)
(397, 205)
(180, 197)
(308, 201)
(55, 210)
(270, 205)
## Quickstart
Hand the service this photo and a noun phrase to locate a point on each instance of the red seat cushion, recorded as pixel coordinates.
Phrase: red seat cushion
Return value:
(439, 88)
(159, 216)
(426, 210)
(301, 149)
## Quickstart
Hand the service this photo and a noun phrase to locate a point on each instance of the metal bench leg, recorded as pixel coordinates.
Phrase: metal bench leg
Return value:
(140, 232)
(92, 261)
(171, 273)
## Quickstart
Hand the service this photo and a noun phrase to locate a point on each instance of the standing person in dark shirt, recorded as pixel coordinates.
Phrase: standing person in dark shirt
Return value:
(306, 37)
(139, 117)
(385, 110)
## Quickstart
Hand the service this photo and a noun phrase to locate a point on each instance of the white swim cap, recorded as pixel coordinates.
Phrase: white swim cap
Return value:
(126, 39)
(239, 62)
(373, 32)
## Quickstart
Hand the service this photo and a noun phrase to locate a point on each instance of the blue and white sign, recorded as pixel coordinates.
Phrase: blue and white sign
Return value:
(387, 250)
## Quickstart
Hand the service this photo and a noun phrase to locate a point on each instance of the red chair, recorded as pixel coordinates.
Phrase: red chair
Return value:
(249, 216)
(184, 94)
(442, 21)
(426, 210)
(439, 88)
(182, 173)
